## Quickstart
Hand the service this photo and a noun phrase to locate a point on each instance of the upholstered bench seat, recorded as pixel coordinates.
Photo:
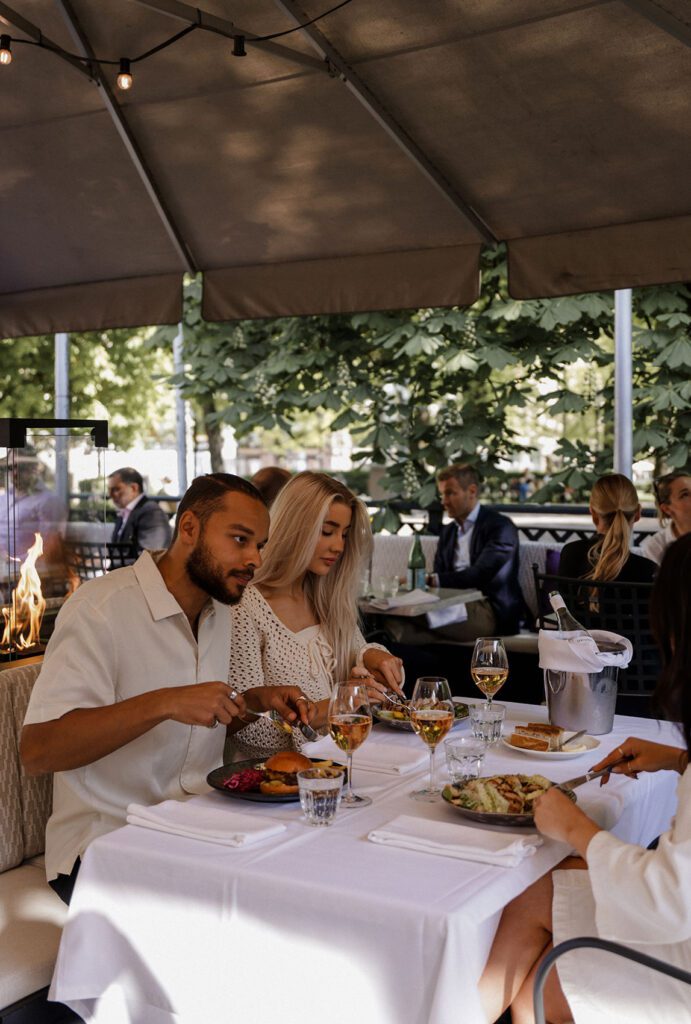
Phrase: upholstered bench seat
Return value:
(31, 920)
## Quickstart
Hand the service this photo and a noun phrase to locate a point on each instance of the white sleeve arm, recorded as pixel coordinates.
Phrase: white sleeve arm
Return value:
(644, 896)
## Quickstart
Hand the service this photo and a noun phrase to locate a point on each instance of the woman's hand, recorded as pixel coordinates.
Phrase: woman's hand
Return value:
(559, 818)
(384, 668)
(290, 702)
(642, 756)
(375, 689)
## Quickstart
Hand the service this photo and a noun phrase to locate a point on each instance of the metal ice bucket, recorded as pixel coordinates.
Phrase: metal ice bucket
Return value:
(582, 700)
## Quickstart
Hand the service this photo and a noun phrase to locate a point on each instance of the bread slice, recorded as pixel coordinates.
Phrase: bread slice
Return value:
(552, 734)
(528, 742)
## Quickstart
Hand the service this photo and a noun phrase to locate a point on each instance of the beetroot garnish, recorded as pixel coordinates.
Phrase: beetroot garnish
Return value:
(245, 780)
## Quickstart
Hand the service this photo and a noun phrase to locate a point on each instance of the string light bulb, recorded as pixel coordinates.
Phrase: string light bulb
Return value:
(125, 76)
(5, 50)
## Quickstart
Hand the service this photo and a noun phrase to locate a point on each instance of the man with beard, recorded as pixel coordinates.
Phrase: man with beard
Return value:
(134, 679)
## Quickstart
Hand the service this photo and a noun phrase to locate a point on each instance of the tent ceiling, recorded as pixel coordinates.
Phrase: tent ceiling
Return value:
(561, 127)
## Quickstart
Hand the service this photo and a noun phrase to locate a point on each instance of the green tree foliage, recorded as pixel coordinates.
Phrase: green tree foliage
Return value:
(113, 375)
(420, 388)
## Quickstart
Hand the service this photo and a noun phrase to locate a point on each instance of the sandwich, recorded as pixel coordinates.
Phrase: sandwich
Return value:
(281, 770)
(552, 735)
(528, 742)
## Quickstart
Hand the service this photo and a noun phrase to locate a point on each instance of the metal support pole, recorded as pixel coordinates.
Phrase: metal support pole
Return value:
(180, 414)
(623, 383)
(62, 412)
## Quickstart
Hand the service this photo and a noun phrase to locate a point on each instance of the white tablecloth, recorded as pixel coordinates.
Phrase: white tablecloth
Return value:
(315, 925)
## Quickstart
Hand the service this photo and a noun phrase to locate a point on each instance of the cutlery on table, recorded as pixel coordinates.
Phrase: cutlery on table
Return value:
(576, 736)
(581, 779)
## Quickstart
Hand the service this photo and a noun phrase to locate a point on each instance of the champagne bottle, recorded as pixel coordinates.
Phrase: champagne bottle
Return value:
(566, 622)
(417, 570)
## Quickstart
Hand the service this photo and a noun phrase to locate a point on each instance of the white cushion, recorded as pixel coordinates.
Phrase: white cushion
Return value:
(31, 920)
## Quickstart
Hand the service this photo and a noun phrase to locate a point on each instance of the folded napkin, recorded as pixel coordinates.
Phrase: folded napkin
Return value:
(459, 841)
(438, 617)
(196, 820)
(563, 652)
(401, 600)
(388, 758)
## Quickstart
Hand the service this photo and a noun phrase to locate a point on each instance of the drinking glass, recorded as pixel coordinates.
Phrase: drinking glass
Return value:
(431, 716)
(388, 586)
(320, 794)
(486, 721)
(464, 757)
(350, 721)
(489, 666)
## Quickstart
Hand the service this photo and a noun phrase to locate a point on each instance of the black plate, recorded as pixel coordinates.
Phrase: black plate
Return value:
(217, 777)
(496, 817)
(382, 714)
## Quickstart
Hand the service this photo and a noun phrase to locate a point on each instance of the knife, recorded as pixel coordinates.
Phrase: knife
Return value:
(581, 779)
(576, 736)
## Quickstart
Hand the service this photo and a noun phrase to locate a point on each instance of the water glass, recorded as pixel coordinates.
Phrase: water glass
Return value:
(486, 721)
(320, 794)
(388, 586)
(464, 757)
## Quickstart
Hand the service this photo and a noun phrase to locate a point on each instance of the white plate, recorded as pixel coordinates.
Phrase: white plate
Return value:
(587, 742)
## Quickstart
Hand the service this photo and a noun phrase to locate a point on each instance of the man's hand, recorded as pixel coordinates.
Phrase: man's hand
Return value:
(642, 756)
(203, 704)
(384, 668)
(290, 702)
(559, 818)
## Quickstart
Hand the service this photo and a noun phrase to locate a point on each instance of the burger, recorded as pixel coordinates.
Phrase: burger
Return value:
(281, 770)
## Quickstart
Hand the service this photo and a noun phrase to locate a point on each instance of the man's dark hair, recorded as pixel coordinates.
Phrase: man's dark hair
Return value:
(129, 476)
(269, 481)
(462, 472)
(206, 493)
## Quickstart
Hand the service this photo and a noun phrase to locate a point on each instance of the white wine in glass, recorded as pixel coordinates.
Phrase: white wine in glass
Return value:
(489, 666)
(350, 721)
(431, 716)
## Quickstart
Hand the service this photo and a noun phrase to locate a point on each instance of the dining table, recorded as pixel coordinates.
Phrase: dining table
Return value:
(317, 925)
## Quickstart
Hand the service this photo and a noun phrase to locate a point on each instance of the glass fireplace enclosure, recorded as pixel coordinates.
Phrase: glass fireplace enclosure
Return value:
(53, 528)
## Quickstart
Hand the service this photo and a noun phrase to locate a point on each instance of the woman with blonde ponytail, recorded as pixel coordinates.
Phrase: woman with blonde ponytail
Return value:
(298, 620)
(614, 508)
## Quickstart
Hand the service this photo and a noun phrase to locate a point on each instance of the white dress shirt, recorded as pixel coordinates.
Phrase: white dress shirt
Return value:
(464, 531)
(655, 544)
(119, 636)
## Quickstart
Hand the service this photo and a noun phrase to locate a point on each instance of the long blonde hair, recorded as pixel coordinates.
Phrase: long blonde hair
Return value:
(297, 517)
(615, 501)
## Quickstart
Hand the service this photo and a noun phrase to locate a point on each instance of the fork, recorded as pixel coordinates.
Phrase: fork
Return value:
(396, 701)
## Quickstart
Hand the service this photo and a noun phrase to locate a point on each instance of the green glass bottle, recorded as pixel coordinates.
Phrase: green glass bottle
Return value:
(417, 571)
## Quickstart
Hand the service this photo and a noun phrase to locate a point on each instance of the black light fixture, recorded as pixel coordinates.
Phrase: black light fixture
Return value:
(239, 46)
(125, 75)
(5, 50)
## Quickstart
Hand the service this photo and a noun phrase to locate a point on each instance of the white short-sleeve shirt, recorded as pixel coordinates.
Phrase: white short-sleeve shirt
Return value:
(120, 636)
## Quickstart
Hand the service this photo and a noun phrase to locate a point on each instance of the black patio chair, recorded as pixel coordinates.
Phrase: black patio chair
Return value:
(619, 607)
(607, 947)
(88, 559)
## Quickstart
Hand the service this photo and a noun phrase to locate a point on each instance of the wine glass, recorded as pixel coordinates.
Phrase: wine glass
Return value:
(489, 666)
(350, 721)
(431, 716)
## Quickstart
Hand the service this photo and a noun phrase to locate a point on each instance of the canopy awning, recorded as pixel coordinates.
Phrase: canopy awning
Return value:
(359, 163)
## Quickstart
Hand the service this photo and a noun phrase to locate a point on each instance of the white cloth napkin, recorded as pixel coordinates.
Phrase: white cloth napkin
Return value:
(372, 757)
(562, 652)
(438, 617)
(401, 600)
(459, 841)
(197, 820)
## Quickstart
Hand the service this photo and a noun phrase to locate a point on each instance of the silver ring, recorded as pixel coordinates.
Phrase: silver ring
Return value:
(621, 751)
(302, 697)
(213, 724)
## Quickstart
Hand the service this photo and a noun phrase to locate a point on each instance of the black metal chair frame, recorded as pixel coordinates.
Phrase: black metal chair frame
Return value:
(607, 947)
(622, 608)
(88, 559)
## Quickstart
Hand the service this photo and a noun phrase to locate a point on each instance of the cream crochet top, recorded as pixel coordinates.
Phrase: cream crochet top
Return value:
(265, 652)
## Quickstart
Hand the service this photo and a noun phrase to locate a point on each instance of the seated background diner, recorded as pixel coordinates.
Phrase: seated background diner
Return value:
(614, 890)
(614, 507)
(673, 500)
(298, 621)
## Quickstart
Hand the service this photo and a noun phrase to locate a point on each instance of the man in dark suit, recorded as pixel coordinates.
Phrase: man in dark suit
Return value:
(140, 521)
(479, 548)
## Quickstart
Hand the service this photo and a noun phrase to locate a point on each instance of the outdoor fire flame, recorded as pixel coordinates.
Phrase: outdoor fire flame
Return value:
(24, 615)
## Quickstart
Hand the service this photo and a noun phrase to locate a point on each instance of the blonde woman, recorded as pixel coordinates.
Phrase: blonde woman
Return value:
(614, 508)
(298, 621)
(673, 500)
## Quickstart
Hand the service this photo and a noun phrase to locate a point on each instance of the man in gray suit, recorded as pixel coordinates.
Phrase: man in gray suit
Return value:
(140, 521)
